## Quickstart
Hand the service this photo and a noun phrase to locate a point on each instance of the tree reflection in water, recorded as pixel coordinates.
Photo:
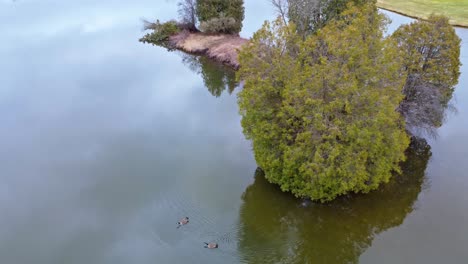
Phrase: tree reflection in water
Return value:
(277, 228)
(216, 76)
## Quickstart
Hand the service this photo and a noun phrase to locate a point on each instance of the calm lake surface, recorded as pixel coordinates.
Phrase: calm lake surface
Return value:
(106, 142)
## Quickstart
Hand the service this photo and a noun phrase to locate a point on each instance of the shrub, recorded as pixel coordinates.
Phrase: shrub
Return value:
(207, 10)
(161, 32)
(226, 25)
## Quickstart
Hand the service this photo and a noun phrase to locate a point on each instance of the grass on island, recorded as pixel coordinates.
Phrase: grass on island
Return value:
(456, 10)
(220, 47)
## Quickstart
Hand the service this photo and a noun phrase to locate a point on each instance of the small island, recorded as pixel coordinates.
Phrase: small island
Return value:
(216, 37)
(329, 101)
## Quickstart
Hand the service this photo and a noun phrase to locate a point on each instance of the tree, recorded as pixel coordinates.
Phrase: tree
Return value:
(321, 111)
(188, 13)
(431, 52)
(311, 15)
(236, 10)
(281, 7)
(221, 13)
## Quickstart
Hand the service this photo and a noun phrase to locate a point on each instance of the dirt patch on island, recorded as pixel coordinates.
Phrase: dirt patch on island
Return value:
(220, 47)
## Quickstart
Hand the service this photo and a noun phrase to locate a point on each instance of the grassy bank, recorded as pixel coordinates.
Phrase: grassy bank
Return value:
(456, 10)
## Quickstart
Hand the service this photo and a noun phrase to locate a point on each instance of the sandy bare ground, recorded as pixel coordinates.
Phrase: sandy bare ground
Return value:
(220, 47)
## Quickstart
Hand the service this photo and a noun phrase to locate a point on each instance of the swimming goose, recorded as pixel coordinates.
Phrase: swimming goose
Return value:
(183, 221)
(211, 245)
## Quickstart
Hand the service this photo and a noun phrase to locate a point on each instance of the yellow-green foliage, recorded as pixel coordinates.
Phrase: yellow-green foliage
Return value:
(310, 16)
(161, 33)
(321, 111)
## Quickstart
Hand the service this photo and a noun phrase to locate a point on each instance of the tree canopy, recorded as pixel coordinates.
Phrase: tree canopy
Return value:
(320, 110)
(431, 52)
(311, 15)
(223, 16)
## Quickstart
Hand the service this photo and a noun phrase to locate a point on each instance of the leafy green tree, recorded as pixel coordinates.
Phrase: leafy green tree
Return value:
(236, 10)
(321, 111)
(208, 9)
(219, 14)
(311, 15)
(431, 52)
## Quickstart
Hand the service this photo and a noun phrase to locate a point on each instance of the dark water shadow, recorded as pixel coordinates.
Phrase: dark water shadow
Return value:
(277, 228)
(216, 76)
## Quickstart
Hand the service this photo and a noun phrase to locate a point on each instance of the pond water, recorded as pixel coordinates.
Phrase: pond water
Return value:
(106, 143)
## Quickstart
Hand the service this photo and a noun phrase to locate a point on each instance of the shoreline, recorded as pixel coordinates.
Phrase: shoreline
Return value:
(222, 48)
(401, 11)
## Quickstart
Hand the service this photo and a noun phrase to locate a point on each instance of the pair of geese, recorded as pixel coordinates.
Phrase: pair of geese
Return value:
(185, 221)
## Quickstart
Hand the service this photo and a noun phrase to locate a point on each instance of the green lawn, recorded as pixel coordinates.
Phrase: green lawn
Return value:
(456, 10)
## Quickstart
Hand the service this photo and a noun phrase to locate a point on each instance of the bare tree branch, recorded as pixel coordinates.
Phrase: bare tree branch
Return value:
(281, 7)
(187, 12)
